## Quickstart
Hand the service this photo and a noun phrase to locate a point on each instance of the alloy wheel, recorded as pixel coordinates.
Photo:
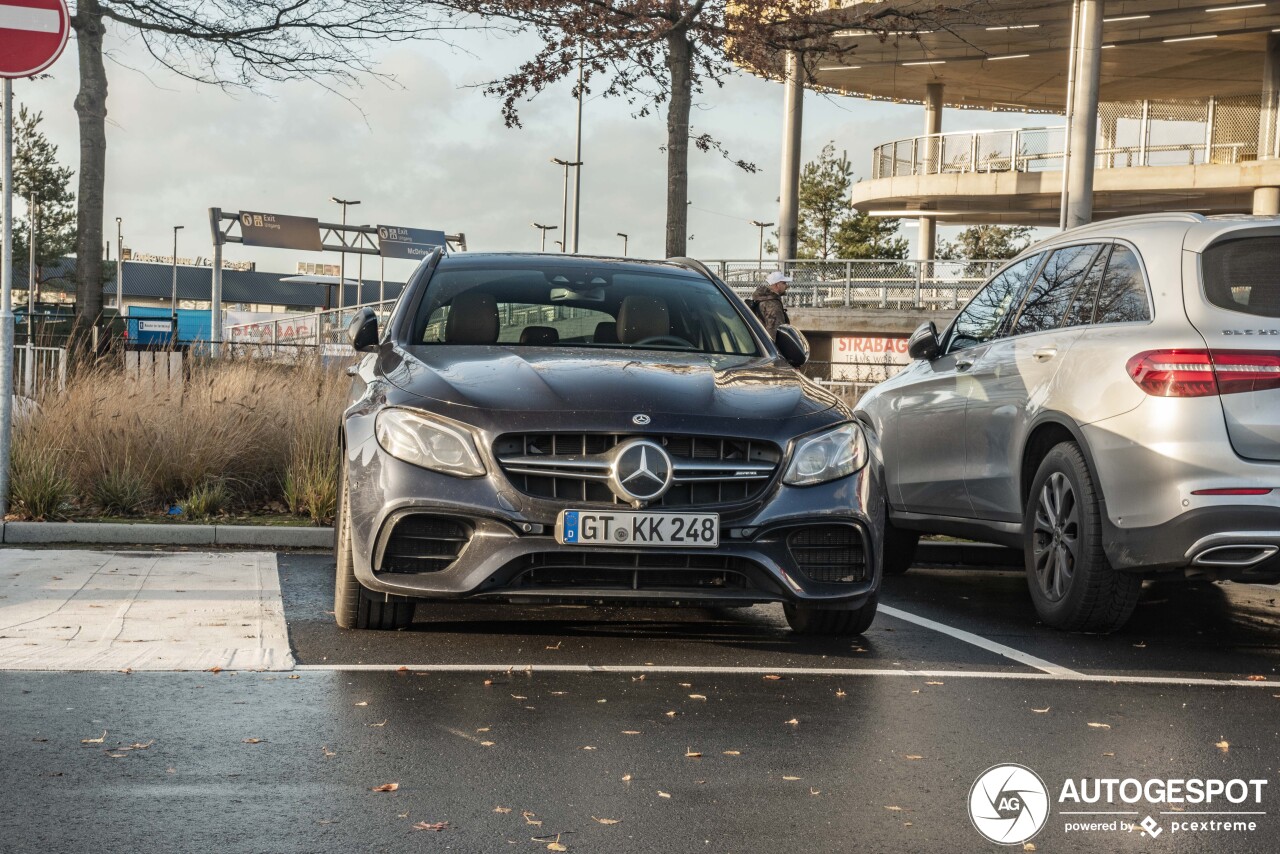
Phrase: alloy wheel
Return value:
(1056, 536)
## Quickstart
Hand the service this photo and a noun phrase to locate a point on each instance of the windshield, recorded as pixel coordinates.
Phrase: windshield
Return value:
(580, 306)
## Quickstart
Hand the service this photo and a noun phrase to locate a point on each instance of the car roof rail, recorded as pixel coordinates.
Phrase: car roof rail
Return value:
(1137, 219)
(695, 264)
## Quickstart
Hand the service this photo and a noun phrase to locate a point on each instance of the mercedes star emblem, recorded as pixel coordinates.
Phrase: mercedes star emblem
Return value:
(641, 472)
(641, 419)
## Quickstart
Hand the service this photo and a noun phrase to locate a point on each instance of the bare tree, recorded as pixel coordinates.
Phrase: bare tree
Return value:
(227, 43)
(661, 53)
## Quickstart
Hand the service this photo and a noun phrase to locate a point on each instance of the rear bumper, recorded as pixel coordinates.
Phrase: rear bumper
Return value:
(1223, 542)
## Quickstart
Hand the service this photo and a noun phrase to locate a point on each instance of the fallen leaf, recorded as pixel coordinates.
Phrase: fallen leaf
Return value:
(663, 795)
(772, 678)
(557, 646)
(214, 669)
(602, 701)
(1257, 678)
(529, 818)
(631, 732)
(608, 820)
(639, 678)
(1042, 711)
(126, 670)
(913, 757)
(840, 692)
(692, 754)
(251, 741)
(558, 693)
(1100, 726)
(626, 778)
(1140, 645)
(488, 681)
(138, 746)
(402, 669)
(934, 683)
(486, 744)
(386, 787)
(697, 697)
(383, 722)
(295, 676)
(402, 815)
(556, 846)
(1028, 846)
(588, 747)
(362, 703)
(686, 684)
(1224, 746)
(733, 753)
(518, 697)
(894, 809)
(117, 755)
(329, 754)
(794, 722)
(503, 810)
(428, 825)
(483, 729)
(791, 779)
(814, 791)
(97, 740)
(671, 714)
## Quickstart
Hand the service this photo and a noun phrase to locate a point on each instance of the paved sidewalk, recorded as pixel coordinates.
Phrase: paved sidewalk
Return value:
(87, 610)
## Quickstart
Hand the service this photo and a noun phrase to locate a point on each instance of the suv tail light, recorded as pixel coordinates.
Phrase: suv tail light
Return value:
(1202, 373)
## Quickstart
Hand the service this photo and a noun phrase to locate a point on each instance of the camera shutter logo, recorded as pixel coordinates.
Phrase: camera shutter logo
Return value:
(1009, 804)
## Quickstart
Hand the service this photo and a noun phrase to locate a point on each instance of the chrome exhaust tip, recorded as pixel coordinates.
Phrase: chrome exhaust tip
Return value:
(1237, 555)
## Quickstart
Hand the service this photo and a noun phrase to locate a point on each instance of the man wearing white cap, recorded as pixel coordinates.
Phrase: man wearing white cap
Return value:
(767, 301)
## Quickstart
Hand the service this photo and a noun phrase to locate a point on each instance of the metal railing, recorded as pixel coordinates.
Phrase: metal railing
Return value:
(864, 283)
(39, 370)
(1232, 129)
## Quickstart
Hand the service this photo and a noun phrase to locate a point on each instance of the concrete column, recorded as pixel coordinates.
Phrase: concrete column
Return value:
(1266, 201)
(789, 193)
(926, 240)
(1084, 115)
(1269, 118)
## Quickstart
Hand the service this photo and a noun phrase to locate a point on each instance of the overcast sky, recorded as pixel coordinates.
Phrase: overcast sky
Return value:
(432, 152)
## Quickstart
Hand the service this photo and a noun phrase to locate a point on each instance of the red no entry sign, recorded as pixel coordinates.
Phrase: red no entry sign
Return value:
(32, 35)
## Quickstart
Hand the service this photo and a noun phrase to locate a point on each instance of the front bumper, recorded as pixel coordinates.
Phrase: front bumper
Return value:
(510, 552)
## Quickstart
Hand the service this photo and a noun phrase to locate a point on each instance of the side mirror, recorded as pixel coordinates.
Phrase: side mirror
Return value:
(792, 344)
(362, 331)
(923, 343)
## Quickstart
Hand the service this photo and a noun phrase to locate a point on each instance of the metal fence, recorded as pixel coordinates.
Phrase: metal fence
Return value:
(864, 283)
(1233, 129)
(39, 370)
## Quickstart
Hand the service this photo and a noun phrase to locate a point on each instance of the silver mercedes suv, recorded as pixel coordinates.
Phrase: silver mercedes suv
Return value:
(1109, 402)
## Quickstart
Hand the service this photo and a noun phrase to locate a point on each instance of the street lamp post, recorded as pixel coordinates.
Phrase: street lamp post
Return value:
(624, 243)
(173, 308)
(577, 155)
(544, 229)
(360, 268)
(119, 266)
(342, 254)
(30, 372)
(762, 226)
(564, 216)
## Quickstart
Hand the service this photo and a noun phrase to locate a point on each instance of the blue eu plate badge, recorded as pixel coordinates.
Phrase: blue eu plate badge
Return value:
(571, 526)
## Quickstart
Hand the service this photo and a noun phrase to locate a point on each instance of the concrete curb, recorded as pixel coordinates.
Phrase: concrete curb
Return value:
(108, 533)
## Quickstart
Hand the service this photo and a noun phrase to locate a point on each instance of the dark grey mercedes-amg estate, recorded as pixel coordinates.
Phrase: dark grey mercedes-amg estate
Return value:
(543, 428)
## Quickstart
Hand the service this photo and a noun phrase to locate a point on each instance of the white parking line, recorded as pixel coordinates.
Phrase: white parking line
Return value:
(981, 642)
(1062, 675)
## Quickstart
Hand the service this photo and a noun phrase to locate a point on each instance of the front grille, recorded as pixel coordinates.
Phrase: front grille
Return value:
(420, 543)
(829, 553)
(623, 571)
(709, 470)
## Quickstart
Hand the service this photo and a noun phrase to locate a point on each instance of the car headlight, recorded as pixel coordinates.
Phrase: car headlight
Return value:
(423, 441)
(827, 456)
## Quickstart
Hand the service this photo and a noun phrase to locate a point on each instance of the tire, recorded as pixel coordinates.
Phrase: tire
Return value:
(899, 548)
(354, 607)
(1072, 584)
(830, 621)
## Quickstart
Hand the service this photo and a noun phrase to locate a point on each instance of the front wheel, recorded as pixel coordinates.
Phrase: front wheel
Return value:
(354, 607)
(1073, 586)
(807, 620)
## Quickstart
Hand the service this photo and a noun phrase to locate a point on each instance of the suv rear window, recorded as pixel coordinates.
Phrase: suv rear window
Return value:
(1242, 275)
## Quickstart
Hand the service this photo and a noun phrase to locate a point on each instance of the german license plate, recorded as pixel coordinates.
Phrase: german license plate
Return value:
(620, 528)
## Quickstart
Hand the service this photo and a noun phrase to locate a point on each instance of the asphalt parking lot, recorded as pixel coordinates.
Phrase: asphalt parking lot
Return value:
(603, 729)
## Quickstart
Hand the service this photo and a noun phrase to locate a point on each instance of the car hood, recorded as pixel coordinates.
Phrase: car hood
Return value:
(528, 379)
